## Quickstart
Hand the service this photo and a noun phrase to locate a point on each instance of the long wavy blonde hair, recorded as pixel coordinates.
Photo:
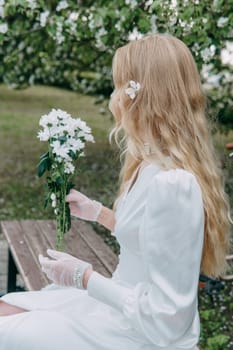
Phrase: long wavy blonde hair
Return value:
(169, 114)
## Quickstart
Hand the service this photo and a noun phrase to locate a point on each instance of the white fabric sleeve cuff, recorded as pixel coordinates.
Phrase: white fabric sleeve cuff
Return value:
(107, 291)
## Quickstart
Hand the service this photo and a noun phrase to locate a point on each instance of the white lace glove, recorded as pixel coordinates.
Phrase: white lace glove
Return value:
(65, 269)
(83, 207)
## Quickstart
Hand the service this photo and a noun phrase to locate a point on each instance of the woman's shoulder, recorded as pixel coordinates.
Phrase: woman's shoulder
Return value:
(172, 179)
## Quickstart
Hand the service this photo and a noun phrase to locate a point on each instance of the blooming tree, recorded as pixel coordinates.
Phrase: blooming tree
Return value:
(71, 43)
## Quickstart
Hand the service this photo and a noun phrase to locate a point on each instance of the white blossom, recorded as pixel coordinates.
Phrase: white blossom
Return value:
(31, 79)
(53, 196)
(32, 4)
(102, 31)
(148, 3)
(61, 151)
(153, 24)
(89, 137)
(208, 53)
(53, 199)
(132, 3)
(62, 5)
(66, 136)
(118, 26)
(43, 18)
(222, 21)
(59, 36)
(211, 79)
(29, 50)
(135, 35)
(43, 135)
(2, 14)
(73, 16)
(75, 145)
(3, 28)
(83, 126)
(69, 168)
(227, 53)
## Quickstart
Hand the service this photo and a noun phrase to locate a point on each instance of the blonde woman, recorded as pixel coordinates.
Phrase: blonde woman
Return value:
(171, 219)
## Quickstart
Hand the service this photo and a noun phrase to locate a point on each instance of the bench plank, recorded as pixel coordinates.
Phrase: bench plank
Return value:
(22, 255)
(28, 238)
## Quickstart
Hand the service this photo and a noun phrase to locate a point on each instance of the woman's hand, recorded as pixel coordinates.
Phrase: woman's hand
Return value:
(66, 270)
(87, 209)
(83, 207)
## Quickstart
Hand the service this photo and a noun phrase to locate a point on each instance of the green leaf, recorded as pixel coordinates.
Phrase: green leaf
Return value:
(42, 167)
(44, 155)
(72, 155)
(59, 181)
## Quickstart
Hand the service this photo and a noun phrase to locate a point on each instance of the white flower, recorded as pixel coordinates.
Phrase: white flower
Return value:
(3, 28)
(75, 145)
(43, 18)
(32, 4)
(208, 53)
(73, 16)
(62, 5)
(154, 28)
(132, 90)
(222, 21)
(53, 196)
(231, 154)
(31, 79)
(2, 14)
(132, 3)
(54, 200)
(59, 36)
(101, 32)
(43, 135)
(83, 126)
(89, 137)
(69, 168)
(60, 113)
(148, 3)
(118, 26)
(227, 54)
(135, 35)
(61, 151)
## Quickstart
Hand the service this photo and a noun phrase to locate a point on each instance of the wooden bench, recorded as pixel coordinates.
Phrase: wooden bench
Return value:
(29, 238)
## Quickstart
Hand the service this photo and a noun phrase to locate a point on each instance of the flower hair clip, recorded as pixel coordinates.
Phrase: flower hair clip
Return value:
(133, 89)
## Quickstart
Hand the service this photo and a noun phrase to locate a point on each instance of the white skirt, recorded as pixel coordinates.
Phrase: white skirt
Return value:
(66, 318)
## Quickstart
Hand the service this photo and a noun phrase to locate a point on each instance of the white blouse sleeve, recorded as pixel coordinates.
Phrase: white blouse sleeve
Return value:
(163, 307)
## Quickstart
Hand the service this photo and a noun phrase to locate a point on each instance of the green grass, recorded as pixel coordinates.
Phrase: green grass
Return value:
(22, 193)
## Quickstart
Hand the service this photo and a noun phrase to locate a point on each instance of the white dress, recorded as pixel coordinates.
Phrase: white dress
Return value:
(150, 303)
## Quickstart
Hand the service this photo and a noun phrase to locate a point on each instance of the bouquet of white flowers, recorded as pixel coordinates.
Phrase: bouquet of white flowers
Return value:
(66, 139)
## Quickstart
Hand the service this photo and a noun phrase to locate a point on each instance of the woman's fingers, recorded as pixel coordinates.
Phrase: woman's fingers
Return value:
(55, 254)
(73, 196)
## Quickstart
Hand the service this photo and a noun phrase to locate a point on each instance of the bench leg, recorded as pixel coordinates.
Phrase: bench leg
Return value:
(12, 273)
